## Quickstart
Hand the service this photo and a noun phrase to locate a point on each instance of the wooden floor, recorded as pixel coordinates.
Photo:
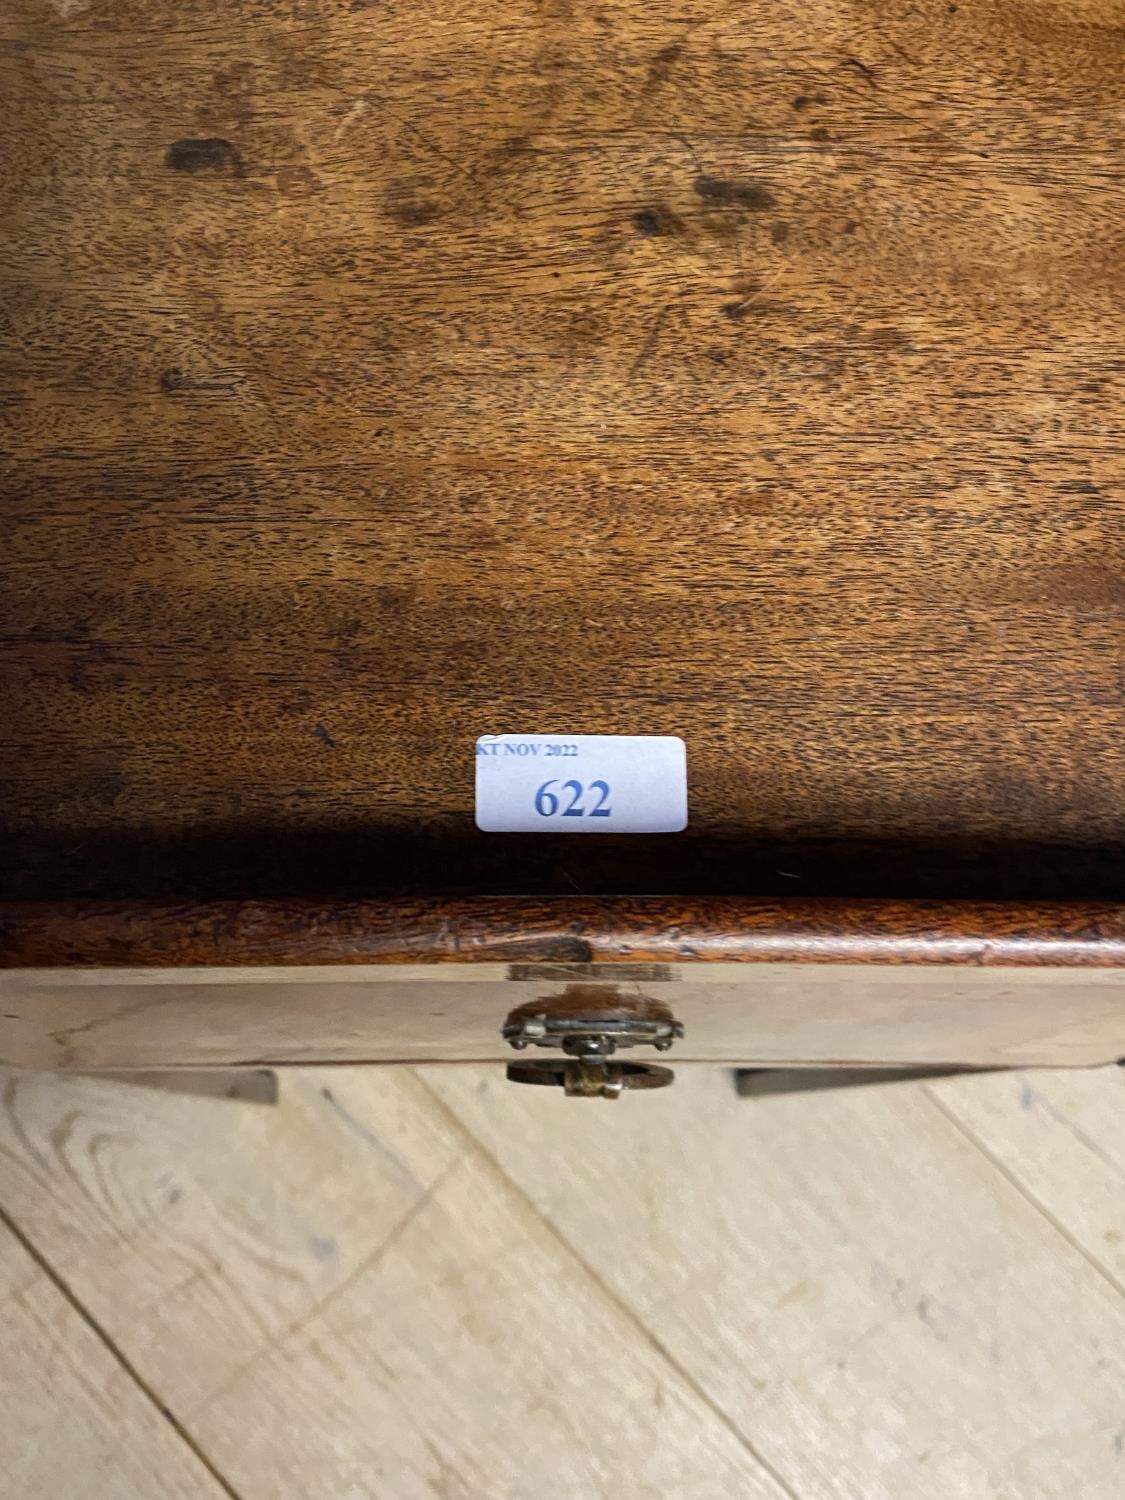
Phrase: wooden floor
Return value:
(433, 1284)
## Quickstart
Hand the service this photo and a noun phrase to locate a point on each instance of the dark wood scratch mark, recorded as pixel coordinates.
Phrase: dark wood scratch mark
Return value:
(645, 351)
(743, 194)
(861, 68)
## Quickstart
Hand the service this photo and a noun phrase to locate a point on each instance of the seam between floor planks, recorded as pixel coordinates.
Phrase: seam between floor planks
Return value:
(486, 1159)
(962, 1132)
(472, 1152)
(573, 1253)
(1022, 1190)
(120, 1359)
(366, 1264)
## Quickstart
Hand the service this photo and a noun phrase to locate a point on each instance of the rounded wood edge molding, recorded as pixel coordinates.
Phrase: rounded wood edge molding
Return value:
(569, 931)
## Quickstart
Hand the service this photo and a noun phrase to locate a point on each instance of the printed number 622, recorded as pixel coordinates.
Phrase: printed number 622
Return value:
(548, 803)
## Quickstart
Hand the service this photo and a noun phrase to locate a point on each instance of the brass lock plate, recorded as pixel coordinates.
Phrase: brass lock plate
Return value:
(589, 1023)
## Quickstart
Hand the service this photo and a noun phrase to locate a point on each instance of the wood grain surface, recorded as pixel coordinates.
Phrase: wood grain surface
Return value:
(904, 1291)
(354, 1300)
(73, 1417)
(763, 1014)
(559, 938)
(376, 377)
(825, 1287)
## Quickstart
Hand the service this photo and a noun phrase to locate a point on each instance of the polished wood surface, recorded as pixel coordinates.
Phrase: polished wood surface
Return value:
(535, 937)
(378, 378)
(142, 985)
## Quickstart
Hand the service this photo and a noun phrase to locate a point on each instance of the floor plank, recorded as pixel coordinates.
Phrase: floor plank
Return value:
(436, 1285)
(475, 1357)
(1061, 1138)
(72, 1419)
(199, 1228)
(854, 1284)
(463, 1351)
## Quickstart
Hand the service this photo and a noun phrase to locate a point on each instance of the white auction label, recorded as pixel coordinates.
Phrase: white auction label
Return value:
(581, 783)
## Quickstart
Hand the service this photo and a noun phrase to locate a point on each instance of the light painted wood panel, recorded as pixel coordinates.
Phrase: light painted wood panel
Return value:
(845, 1275)
(74, 1425)
(347, 1299)
(737, 1013)
(1061, 1137)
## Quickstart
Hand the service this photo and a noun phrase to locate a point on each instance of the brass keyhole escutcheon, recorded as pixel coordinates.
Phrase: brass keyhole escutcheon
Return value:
(589, 1023)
